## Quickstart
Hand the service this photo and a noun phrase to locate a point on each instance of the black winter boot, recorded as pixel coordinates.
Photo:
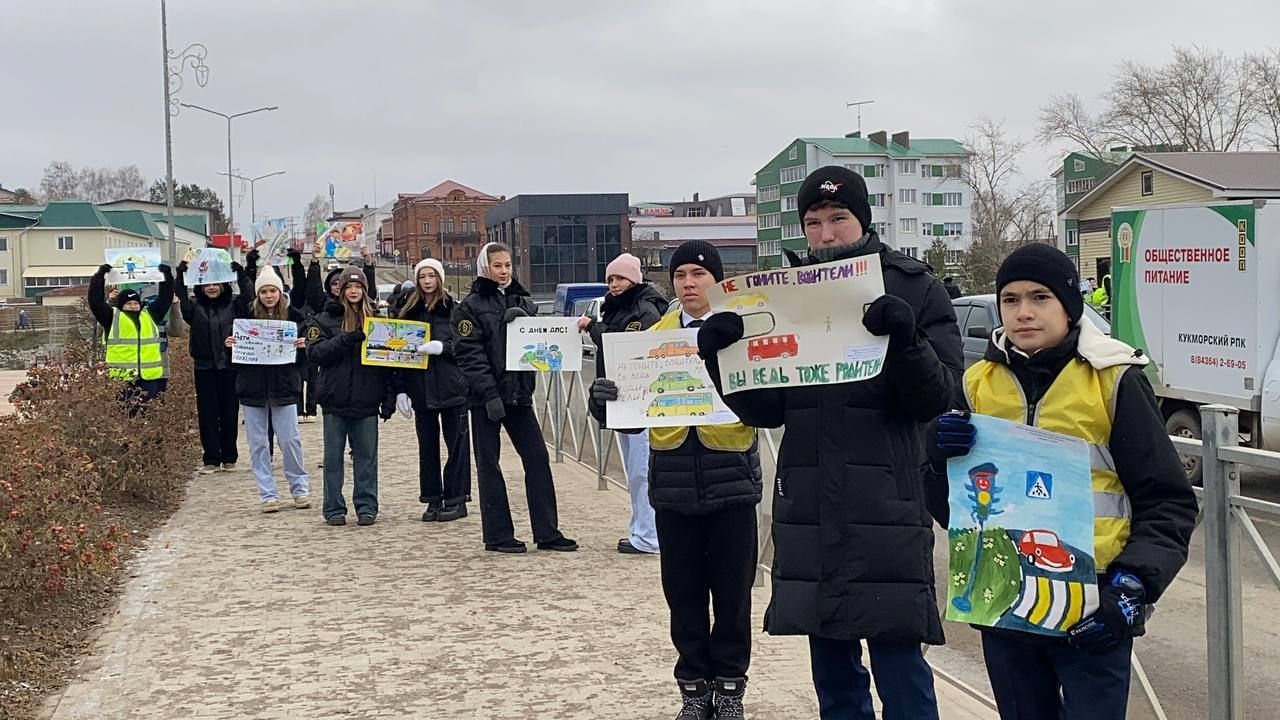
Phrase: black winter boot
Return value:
(728, 697)
(697, 700)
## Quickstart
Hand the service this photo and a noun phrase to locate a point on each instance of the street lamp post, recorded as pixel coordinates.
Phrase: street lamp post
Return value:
(253, 212)
(231, 208)
(174, 63)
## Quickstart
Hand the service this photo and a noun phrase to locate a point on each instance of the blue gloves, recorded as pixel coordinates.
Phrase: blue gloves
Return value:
(1119, 616)
(950, 435)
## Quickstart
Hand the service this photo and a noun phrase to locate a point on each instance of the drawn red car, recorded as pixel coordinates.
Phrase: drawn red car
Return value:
(1044, 549)
(772, 346)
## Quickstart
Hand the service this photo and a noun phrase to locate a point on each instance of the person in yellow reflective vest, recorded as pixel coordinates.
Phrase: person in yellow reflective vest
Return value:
(704, 485)
(132, 334)
(1099, 298)
(1048, 367)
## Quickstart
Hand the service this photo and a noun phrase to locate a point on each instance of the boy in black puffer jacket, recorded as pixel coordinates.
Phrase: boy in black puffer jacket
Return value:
(210, 316)
(632, 305)
(437, 398)
(503, 399)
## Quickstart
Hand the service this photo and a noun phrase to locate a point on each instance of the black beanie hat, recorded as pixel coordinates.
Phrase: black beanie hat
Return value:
(698, 252)
(1048, 266)
(128, 295)
(837, 184)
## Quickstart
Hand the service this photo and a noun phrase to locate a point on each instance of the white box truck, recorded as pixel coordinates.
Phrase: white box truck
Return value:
(1197, 288)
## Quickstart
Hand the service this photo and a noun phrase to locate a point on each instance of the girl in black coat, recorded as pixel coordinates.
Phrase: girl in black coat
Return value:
(209, 316)
(503, 399)
(353, 396)
(269, 394)
(437, 397)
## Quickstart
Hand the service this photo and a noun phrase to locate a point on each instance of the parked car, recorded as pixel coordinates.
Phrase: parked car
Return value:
(591, 308)
(978, 316)
(546, 307)
(568, 295)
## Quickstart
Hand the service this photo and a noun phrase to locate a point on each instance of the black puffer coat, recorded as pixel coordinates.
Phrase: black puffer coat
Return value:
(634, 310)
(852, 536)
(442, 384)
(281, 385)
(480, 343)
(347, 388)
(210, 321)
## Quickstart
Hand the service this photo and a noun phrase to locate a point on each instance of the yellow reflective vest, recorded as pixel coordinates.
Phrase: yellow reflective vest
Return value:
(1080, 403)
(732, 437)
(133, 349)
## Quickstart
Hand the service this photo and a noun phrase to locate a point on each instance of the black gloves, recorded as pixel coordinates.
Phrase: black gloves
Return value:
(295, 256)
(513, 313)
(104, 268)
(182, 267)
(604, 390)
(1120, 615)
(494, 409)
(891, 315)
(950, 435)
(252, 257)
(166, 271)
(355, 337)
(386, 410)
(236, 267)
(719, 332)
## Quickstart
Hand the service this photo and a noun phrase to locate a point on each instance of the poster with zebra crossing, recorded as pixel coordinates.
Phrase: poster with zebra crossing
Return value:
(1021, 530)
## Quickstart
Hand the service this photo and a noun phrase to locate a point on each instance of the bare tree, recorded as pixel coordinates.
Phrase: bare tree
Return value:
(1266, 72)
(1067, 118)
(1006, 214)
(23, 196)
(60, 182)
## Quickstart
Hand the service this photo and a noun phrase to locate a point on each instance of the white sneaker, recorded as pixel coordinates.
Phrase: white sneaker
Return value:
(208, 469)
(271, 506)
(228, 467)
(302, 502)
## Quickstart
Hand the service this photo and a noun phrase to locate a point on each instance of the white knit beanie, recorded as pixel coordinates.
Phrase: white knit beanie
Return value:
(432, 263)
(267, 277)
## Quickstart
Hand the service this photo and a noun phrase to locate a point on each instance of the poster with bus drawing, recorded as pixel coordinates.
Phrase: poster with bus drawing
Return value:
(394, 343)
(133, 265)
(802, 325)
(1021, 530)
(544, 344)
(661, 381)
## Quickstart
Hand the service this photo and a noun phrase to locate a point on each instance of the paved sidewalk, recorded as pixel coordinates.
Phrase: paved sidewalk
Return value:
(234, 614)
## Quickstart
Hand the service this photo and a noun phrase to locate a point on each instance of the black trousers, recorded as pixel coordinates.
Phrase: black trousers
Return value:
(310, 377)
(1033, 678)
(715, 555)
(521, 424)
(218, 415)
(455, 485)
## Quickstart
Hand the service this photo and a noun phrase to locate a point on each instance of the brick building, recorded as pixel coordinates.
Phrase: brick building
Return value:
(445, 222)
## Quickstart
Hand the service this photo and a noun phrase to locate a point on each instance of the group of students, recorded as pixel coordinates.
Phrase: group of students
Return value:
(861, 473)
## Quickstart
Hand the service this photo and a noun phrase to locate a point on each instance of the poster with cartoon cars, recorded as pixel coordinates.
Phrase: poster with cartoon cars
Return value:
(546, 344)
(661, 381)
(271, 240)
(801, 325)
(264, 342)
(133, 265)
(394, 343)
(1021, 530)
(208, 266)
(342, 240)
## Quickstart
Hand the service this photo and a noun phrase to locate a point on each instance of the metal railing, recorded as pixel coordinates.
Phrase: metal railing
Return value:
(1224, 513)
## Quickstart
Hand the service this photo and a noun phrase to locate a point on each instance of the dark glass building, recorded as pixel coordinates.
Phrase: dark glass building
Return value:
(561, 238)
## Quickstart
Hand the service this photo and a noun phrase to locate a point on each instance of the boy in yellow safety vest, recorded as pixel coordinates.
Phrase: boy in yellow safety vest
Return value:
(1049, 368)
(132, 336)
(704, 485)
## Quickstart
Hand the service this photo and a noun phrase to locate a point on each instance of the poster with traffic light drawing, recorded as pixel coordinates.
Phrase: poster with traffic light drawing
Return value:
(661, 381)
(1021, 530)
(394, 343)
(802, 325)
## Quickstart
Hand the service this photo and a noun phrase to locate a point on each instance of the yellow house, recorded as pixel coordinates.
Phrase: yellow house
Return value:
(1167, 179)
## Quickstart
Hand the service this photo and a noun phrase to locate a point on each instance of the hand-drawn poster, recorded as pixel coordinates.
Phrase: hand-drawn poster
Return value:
(271, 240)
(133, 265)
(661, 381)
(1021, 530)
(208, 266)
(394, 343)
(544, 343)
(341, 240)
(264, 342)
(802, 325)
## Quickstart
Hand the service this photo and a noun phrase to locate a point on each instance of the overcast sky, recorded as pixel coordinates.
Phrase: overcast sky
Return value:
(657, 99)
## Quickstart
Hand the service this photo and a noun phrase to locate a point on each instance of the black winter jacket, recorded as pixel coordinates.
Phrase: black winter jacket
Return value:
(636, 309)
(281, 385)
(853, 537)
(1160, 496)
(210, 321)
(695, 480)
(317, 294)
(347, 387)
(442, 384)
(480, 343)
